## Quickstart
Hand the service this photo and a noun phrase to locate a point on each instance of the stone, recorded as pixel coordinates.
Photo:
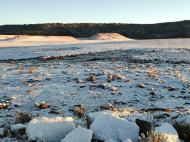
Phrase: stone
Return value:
(169, 131)
(144, 126)
(182, 125)
(107, 126)
(78, 135)
(49, 129)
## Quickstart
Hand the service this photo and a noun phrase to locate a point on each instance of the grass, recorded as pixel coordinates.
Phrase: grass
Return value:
(22, 117)
(152, 136)
(80, 111)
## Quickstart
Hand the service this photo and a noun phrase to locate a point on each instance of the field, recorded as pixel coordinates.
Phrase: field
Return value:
(144, 79)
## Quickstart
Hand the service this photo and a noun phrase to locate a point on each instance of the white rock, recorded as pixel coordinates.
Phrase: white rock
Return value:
(78, 135)
(92, 116)
(169, 131)
(15, 128)
(50, 129)
(106, 127)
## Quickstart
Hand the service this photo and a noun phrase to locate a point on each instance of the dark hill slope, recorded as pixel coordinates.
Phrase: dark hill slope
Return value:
(179, 29)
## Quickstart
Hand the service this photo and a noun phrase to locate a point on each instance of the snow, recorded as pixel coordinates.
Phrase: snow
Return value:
(78, 135)
(107, 126)
(53, 81)
(169, 132)
(184, 121)
(1, 131)
(16, 127)
(50, 129)
(110, 141)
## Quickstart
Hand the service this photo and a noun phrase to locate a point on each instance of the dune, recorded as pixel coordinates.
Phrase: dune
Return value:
(109, 36)
(35, 38)
(4, 37)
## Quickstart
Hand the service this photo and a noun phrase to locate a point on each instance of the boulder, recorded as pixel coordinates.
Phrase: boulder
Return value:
(49, 129)
(107, 126)
(14, 130)
(144, 126)
(169, 131)
(78, 135)
(91, 116)
(182, 125)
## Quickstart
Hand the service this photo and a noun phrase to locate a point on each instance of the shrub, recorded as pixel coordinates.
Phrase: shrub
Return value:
(80, 111)
(22, 117)
(153, 137)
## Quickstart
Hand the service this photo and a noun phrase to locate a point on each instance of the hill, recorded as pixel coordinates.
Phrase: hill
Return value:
(179, 29)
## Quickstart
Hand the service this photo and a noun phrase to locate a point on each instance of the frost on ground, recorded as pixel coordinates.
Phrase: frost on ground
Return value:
(144, 79)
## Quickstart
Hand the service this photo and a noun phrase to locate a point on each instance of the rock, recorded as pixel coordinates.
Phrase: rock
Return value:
(169, 132)
(78, 135)
(43, 105)
(118, 76)
(104, 85)
(49, 129)
(182, 125)
(91, 116)
(141, 85)
(158, 109)
(14, 130)
(1, 132)
(114, 88)
(144, 126)
(106, 126)
(79, 81)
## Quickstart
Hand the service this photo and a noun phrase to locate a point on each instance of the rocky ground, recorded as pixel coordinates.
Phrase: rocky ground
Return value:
(143, 87)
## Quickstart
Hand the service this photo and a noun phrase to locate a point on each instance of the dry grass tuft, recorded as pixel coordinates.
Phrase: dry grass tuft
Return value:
(22, 117)
(108, 106)
(113, 59)
(154, 73)
(80, 111)
(11, 62)
(152, 136)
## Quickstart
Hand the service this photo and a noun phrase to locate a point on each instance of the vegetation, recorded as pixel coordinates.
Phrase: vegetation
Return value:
(136, 31)
(152, 136)
(22, 117)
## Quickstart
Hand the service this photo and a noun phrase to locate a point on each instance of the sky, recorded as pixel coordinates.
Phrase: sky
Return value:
(93, 11)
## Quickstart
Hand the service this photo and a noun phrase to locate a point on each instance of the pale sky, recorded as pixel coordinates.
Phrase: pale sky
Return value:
(93, 11)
